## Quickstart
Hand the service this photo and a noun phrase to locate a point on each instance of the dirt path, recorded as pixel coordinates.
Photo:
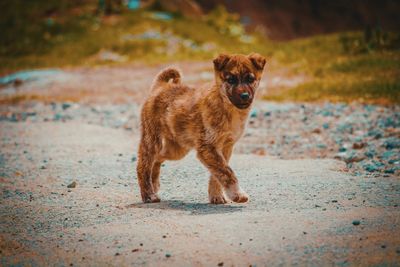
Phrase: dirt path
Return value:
(301, 211)
(82, 127)
(117, 84)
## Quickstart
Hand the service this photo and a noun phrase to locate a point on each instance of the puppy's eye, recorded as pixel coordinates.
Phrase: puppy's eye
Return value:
(232, 80)
(250, 78)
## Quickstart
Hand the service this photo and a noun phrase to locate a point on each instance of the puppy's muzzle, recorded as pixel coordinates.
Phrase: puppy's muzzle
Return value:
(242, 97)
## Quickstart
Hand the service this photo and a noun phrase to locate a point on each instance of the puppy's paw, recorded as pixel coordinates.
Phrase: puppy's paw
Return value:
(236, 194)
(152, 198)
(241, 197)
(217, 199)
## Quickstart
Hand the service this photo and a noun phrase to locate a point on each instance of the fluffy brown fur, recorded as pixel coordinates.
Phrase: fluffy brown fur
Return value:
(176, 119)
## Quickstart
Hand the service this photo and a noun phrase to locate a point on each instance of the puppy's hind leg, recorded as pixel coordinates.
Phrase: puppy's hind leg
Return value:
(144, 173)
(155, 176)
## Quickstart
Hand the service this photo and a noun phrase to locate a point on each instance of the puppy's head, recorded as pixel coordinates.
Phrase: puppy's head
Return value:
(238, 77)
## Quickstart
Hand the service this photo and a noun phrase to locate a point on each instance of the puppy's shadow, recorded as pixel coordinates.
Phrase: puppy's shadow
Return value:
(193, 208)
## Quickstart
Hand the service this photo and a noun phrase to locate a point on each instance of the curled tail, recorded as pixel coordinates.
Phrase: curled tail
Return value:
(166, 75)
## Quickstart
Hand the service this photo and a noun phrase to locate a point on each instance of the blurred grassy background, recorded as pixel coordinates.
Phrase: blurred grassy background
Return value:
(350, 66)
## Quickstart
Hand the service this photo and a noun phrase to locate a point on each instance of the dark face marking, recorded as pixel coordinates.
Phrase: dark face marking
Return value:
(239, 76)
(240, 88)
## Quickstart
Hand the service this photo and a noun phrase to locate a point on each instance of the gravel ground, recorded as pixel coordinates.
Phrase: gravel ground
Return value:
(69, 197)
(365, 137)
(323, 180)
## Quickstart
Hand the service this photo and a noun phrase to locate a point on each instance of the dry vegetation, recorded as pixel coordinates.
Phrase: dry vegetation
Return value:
(354, 66)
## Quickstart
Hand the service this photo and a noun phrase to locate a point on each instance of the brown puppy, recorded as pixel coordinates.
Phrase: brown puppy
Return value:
(176, 119)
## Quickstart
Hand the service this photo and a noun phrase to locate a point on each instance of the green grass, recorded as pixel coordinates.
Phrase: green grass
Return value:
(334, 74)
(71, 40)
(337, 67)
(343, 90)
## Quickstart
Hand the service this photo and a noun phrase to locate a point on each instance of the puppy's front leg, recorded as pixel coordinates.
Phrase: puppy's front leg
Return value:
(215, 191)
(217, 165)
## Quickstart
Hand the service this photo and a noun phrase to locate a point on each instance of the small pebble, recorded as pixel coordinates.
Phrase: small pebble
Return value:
(370, 167)
(65, 106)
(167, 255)
(72, 185)
(253, 113)
(358, 145)
(356, 222)
(392, 170)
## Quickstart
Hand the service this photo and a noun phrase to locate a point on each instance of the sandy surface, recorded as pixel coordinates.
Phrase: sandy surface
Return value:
(82, 127)
(300, 212)
(121, 84)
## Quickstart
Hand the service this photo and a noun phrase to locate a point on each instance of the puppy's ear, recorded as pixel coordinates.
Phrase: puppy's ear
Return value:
(220, 61)
(257, 60)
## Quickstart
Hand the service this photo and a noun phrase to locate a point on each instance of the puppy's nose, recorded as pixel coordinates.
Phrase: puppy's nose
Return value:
(245, 96)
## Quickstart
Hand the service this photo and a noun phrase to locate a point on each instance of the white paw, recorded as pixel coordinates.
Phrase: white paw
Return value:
(236, 194)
